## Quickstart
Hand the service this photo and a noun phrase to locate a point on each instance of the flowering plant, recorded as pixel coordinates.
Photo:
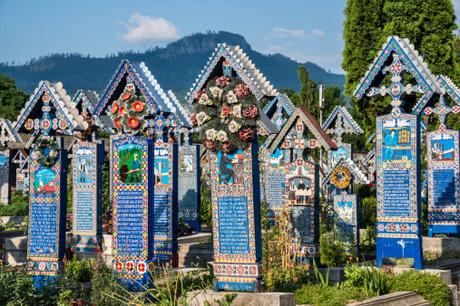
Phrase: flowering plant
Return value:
(227, 113)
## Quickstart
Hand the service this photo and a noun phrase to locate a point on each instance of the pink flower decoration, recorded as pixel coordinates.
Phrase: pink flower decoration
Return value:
(222, 81)
(241, 90)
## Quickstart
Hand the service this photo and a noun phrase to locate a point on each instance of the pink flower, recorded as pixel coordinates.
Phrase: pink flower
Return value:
(222, 81)
(246, 134)
(241, 90)
(251, 112)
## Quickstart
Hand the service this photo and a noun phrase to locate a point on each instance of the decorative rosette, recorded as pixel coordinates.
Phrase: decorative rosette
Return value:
(129, 112)
(341, 177)
(45, 150)
(227, 113)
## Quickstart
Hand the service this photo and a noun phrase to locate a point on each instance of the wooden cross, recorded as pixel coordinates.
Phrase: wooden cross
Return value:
(396, 88)
(442, 110)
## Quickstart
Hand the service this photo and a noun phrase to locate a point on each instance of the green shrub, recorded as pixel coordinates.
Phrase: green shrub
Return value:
(16, 288)
(289, 279)
(368, 212)
(431, 287)
(332, 250)
(372, 281)
(330, 296)
(19, 205)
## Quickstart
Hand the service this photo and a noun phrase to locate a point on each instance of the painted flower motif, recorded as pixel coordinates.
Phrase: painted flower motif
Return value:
(251, 112)
(216, 92)
(193, 118)
(246, 134)
(211, 145)
(211, 134)
(138, 106)
(231, 97)
(127, 95)
(36, 155)
(225, 111)
(53, 153)
(222, 136)
(227, 147)
(202, 117)
(121, 110)
(204, 100)
(241, 90)
(222, 81)
(234, 126)
(133, 122)
(236, 110)
(198, 94)
(115, 107)
(117, 123)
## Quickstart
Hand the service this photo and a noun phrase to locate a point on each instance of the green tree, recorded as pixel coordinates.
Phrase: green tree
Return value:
(429, 25)
(12, 99)
(308, 91)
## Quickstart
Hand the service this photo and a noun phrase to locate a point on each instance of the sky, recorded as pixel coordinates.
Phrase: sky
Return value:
(305, 30)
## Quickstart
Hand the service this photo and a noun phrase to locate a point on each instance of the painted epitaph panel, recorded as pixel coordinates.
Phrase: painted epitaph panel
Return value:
(132, 176)
(275, 183)
(443, 182)
(47, 216)
(165, 202)
(87, 197)
(398, 202)
(302, 202)
(189, 186)
(346, 215)
(236, 219)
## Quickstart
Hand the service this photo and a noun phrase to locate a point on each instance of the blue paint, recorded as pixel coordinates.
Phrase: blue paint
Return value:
(233, 225)
(443, 187)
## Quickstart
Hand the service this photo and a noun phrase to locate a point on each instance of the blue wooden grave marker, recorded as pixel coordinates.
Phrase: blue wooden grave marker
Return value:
(165, 202)
(443, 174)
(346, 220)
(189, 186)
(302, 201)
(236, 219)
(87, 197)
(47, 214)
(132, 188)
(397, 152)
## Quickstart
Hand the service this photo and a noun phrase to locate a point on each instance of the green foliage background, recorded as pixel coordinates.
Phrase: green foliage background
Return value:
(429, 25)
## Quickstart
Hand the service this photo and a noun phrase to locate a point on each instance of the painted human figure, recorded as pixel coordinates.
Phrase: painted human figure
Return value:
(134, 175)
(227, 175)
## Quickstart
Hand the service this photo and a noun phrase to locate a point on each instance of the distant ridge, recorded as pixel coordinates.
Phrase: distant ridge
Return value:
(175, 66)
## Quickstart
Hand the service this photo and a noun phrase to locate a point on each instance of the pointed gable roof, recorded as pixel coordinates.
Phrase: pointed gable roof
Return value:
(144, 81)
(348, 120)
(85, 99)
(411, 59)
(7, 133)
(244, 67)
(358, 176)
(448, 87)
(270, 110)
(285, 102)
(179, 110)
(62, 102)
(312, 124)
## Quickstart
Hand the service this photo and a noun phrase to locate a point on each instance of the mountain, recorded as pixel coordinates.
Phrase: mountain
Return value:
(175, 66)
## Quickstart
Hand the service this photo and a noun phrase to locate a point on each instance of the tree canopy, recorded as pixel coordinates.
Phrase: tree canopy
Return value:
(429, 25)
(12, 99)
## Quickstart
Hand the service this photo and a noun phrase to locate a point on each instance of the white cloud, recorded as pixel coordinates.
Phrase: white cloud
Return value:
(149, 29)
(283, 32)
(318, 33)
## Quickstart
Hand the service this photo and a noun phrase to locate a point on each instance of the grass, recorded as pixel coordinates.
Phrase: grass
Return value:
(317, 294)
